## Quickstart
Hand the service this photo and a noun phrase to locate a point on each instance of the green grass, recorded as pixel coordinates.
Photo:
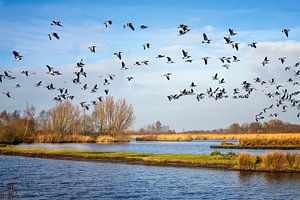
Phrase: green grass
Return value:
(215, 160)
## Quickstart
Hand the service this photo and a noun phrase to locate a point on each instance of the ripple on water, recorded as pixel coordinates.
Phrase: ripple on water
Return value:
(36, 178)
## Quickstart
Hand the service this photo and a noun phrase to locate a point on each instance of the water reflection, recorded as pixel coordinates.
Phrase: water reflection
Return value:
(192, 147)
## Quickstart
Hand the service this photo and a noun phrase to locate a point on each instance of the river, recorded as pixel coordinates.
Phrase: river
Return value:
(183, 147)
(36, 178)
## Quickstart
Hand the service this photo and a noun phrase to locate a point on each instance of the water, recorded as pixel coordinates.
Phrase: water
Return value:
(192, 147)
(36, 178)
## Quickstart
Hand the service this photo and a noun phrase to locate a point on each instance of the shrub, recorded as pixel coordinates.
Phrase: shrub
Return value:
(293, 160)
(215, 153)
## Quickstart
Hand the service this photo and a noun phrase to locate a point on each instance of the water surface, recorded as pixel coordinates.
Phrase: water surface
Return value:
(183, 147)
(37, 178)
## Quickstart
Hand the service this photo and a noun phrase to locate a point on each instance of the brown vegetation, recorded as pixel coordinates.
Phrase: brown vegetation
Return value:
(66, 122)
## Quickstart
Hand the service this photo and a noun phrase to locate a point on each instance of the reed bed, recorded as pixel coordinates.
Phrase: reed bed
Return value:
(58, 138)
(249, 139)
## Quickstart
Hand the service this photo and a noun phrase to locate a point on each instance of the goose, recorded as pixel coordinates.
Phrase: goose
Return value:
(185, 54)
(123, 66)
(160, 56)
(143, 26)
(253, 45)
(53, 34)
(130, 25)
(106, 91)
(56, 23)
(205, 59)
(92, 48)
(215, 77)
(17, 55)
(282, 59)
(193, 84)
(235, 59)
(129, 78)
(167, 75)
(227, 40)
(231, 32)
(118, 54)
(38, 84)
(146, 46)
(286, 32)
(107, 23)
(205, 39)
(169, 60)
(7, 94)
(25, 72)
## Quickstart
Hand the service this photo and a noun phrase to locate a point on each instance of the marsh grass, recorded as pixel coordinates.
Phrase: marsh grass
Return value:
(276, 161)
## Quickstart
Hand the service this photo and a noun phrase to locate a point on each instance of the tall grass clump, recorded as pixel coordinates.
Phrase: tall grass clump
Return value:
(246, 161)
(275, 161)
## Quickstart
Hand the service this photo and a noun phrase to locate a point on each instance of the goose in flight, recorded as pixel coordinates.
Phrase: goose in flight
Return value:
(183, 29)
(7, 94)
(143, 26)
(205, 39)
(146, 46)
(129, 78)
(56, 23)
(185, 54)
(167, 75)
(25, 72)
(215, 77)
(205, 59)
(265, 61)
(286, 32)
(123, 66)
(228, 40)
(92, 48)
(235, 59)
(38, 84)
(231, 32)
(106, 91)
(235, 46)
(169, 60)
(107, 23)
(282, 59)
(130, 25)
(17, 55)
(53, 34)
(193, 84)
(118, 54)
(160, 56)
(253, 45)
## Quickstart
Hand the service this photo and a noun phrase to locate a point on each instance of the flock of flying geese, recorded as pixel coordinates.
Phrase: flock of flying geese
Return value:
(283, 98)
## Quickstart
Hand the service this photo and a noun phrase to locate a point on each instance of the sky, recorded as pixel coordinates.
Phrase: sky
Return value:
(25, 26)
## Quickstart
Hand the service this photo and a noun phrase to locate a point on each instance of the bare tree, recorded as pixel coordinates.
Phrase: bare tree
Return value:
(112, 117)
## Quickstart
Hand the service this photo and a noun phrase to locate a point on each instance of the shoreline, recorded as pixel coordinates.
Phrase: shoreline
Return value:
(223, 161)
(255, 147)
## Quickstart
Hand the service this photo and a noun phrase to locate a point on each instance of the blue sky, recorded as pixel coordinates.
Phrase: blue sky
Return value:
(25, 25)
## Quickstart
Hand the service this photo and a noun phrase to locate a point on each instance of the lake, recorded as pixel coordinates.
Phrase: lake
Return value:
(36, 178)
(183, 147)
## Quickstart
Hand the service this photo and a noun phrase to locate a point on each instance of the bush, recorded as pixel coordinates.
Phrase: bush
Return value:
(215, 153)
(246, 161)
(293, 160)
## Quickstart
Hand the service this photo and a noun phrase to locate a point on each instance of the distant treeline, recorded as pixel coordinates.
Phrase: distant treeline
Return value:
(272, 126)
(108, 118)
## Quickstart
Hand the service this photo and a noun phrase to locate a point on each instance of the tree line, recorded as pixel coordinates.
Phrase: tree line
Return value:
(109, 117)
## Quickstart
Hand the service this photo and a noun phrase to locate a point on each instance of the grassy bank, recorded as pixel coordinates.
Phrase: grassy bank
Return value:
(243, 161)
